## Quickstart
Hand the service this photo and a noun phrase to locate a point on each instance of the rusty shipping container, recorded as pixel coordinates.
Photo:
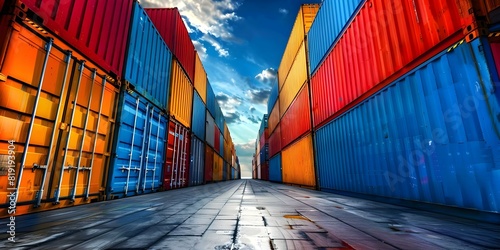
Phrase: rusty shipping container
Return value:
(181, 98)
(295, 80)
(297, 120)
(384, 41)
(87, 26)
(169, 23)
(298, 163)
(57, 113)
(304, 20)
(177, 158)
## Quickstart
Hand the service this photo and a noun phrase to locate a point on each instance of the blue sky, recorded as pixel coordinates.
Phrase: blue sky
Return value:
(241, 43)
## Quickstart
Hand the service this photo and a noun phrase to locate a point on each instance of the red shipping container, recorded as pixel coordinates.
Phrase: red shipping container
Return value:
(209, 162)
(297, 120)
(264, 171)
(169, 23)
(264, 138)
(275, 142)
(385, 41)
(217, 140)
(97, 29)
(176, 170)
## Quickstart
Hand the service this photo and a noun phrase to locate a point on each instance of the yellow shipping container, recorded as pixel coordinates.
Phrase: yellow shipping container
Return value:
(200, 79)
(298, 163)
(303, 22)
(294, 81)
(274, 117)
(217, 167)
(181, 97)
(226, 131)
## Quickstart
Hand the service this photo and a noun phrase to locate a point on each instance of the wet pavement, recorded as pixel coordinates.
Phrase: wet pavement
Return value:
(246, 214)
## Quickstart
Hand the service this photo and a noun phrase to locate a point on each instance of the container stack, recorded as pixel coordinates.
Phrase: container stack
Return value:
(262, 150)
(100, 108)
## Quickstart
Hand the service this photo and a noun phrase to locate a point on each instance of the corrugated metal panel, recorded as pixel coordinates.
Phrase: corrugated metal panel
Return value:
(211, 101)
(200, 79)
(197, 165)
(303, 22)
(149, 60)
(209, 130)
(209, 164)
(350, 72)
(275, 168)
(226, 131)
(263, 124)
(181, 99)
(217, 168)
(89, 26)
(274, 117)
(264, 138)
(199, 117)
(298, 163)
(221, 144)
(217, 141)
(139, 148)
(432, 136)
(169, 23)
(176, 171)
(70, 94)
(275, 141)
(297, 120)
(219, 118)
(332, 18)
(264, 171)
(297, 77)
(273, 97)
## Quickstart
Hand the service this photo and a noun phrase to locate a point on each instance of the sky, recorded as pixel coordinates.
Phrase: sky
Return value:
(241, 43)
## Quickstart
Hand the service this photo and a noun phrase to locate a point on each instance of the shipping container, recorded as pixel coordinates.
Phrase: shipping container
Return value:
(88, 26)
(295, 80)
(227, 136)
(275, 142)
(302, 24)
(233, 174)
(219, 118)
(54, 108)
(210, 130)
(139, 148)
(211, 101)
(377, 49)
(297, 120)
(176, 170)
(181, 98)
(431, 136)
(274, 117)
(200, 79)
(273, 97)
(225, 171)
(149, 60)
(221, 144)
(199, 117)
(209, 164)
(264, 138)
(169, 23)
(330, 23)
(217, 142)
(298, 163)
(275, 168)
(264, 171)
(197, 166)
(263, 124)
(217, 168)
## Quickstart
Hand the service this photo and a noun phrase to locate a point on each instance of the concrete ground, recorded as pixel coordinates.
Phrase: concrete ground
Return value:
(246, 214)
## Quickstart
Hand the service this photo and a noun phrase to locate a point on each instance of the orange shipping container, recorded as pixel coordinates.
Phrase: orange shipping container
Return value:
(293, 83)
(303, 22)
(298, 163)
(65, 146)
(181, 97)
(226, 131)
(274, 117)
(200, 79)
(217, 168)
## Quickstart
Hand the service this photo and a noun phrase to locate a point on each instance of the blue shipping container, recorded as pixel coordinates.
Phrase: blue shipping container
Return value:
(139, 147)
(210, 130)
(197, 166)
(431, 136)
(199, 116)
(233, 174)
(273, 97)
(211, 101)
(332, 19)
(149, 60)
(263, 124)
(224, 171)
(221, 147)
(275, 173)
(219, 118)
(264, 153)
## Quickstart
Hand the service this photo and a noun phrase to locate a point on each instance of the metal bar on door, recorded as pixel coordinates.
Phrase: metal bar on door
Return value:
(138, 183)
(156, 150)
(130, 156)
(147, 151)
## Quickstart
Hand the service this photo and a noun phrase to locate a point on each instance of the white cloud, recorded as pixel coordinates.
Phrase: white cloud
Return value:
(202, 51)
(217, 46)
(283, 11)
(267, 76)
